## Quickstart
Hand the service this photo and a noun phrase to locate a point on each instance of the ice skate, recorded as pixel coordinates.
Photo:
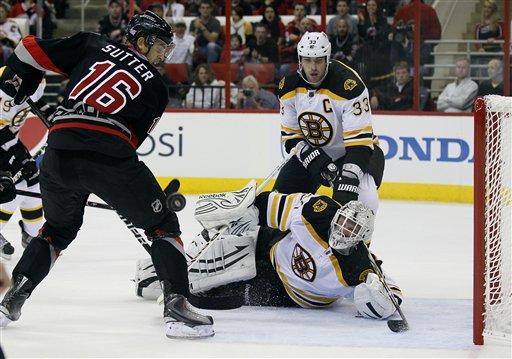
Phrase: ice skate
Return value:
(25, 237)
(6, 249)
(181, 320)
(10, 307)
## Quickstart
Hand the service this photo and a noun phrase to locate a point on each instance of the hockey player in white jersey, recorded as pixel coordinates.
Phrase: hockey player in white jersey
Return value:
(285, 250)
(15, 157)
(326, 105)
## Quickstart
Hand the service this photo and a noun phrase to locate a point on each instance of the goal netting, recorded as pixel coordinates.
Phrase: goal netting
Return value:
(493, 218)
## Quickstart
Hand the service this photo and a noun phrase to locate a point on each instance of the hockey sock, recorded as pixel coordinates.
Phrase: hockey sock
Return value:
(36, 261)
(170, 264)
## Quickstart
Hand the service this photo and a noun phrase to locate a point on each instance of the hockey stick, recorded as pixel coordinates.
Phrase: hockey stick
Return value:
(396, 325)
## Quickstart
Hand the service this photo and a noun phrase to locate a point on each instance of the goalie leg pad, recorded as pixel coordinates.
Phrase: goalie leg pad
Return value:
(229, 259)
(146, 282)
(235, 209)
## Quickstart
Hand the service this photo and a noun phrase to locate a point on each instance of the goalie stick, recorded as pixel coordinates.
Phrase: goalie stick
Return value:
(395, 325)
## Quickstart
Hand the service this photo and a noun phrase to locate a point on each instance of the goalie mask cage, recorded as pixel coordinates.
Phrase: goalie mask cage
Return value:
(492, 219)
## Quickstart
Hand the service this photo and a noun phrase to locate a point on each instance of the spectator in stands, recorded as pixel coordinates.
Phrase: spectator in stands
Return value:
(313, 7)
(246, 7)
(184, 50)
(10, 34)
(459, 95)
(238, 50)
(275, 26)
(494, 85)
(206, 91)
(292, 28)
(157, 8)
(344, 47)
(281, 7)
(252, 96)
(192, 7)
(173, 10)
(488, 30)
(373, 25)
(239, 25)
(206, 28)
(342, 7)
(262, 49)
(397, 95)
(429, 22)
(114, 24)
(26, 9)
(402, 49)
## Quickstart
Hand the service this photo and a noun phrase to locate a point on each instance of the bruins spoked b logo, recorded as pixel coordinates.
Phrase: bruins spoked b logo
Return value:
(315, 128)
(303, 264)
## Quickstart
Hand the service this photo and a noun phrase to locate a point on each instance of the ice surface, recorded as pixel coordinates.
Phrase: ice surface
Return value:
(87, 306)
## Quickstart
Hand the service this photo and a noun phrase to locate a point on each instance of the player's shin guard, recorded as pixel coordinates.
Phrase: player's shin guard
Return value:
(36, 261)
(170, 264)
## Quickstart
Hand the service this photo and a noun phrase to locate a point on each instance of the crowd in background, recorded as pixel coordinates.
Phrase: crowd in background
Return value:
(374, 37)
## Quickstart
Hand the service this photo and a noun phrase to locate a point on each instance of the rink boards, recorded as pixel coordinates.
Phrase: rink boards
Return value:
(428, 157)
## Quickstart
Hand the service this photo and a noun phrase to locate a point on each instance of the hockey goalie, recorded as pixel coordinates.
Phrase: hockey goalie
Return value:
(295, 250)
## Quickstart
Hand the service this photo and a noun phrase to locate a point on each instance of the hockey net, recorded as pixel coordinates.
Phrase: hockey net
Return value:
(492, 218)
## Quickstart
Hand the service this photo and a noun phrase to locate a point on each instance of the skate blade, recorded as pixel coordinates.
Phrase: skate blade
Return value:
(178, 330)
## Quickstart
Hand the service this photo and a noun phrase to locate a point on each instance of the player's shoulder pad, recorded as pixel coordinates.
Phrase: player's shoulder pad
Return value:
(319, 211)
(343, 81)
(288, 84)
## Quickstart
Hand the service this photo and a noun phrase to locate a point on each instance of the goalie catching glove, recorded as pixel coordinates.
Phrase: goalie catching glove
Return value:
(372, 300)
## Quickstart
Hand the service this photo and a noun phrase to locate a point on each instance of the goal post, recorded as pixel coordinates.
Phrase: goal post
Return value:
(492, 218)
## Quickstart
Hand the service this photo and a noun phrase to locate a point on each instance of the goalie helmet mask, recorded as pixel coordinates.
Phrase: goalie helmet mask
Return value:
(314, 44)
(351, 224)
(150, 26)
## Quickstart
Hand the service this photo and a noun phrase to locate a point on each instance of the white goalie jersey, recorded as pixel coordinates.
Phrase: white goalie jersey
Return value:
(334, 117)
(312, 273)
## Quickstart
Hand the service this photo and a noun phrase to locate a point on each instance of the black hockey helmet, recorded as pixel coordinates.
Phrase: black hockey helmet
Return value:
(150, 26)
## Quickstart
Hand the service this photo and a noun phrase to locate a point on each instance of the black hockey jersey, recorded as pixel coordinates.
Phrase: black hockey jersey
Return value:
(114, 96)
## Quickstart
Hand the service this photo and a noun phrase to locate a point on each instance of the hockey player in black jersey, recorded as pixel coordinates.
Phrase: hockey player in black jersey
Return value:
(114, 98)
(326, 105)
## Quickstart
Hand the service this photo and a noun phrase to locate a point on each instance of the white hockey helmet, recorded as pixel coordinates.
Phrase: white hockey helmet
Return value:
(351, 224)
(314, 44)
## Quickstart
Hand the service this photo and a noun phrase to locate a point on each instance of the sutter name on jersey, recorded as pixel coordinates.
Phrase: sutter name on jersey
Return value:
(131, 60)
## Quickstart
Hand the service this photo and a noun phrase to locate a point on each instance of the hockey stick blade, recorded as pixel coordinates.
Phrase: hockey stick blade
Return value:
(398, 325)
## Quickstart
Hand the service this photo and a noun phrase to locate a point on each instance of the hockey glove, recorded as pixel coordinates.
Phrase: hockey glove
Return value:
(30, 172)
(18, 88)
(7, 188)
(372, 300)
(345, 190)
(346, 187)
(315, 160)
